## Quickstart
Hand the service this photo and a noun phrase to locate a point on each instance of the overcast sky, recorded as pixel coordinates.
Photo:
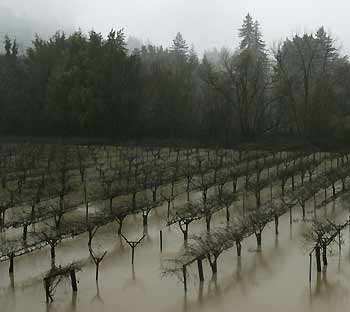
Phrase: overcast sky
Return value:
(205, 23)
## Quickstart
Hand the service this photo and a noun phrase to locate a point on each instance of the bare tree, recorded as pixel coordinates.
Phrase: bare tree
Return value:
(184, 216)
(96, 256)
(256, 221)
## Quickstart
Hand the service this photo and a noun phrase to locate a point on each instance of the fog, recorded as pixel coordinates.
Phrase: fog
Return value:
(204, 23)
(23, 19)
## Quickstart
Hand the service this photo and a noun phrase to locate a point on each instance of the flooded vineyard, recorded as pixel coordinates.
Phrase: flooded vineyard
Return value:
(118, 228)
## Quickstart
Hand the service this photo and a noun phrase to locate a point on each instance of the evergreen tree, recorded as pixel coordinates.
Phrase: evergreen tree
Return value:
(8, 45)
(259, 43)
(87, 85)
(247, 33)
(327, 52)
(251, 36)
(179, 46)
(192, 56)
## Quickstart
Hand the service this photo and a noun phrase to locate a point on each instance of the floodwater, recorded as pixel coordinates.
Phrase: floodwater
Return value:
(272, 280)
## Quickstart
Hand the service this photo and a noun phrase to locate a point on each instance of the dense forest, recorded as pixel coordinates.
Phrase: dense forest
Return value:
(85, 85)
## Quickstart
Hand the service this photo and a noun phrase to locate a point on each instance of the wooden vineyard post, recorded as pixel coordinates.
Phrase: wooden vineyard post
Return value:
(161, 240)
(185, 277)
(276, 224)
(310, 266)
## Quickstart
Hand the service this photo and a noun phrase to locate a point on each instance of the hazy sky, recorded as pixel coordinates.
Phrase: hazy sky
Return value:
(205, 23)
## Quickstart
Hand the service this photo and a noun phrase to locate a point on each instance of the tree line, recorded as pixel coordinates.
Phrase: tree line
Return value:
(85, 85)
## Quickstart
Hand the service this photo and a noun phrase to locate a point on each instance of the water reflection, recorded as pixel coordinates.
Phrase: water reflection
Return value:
(134, 282)
(97, 297)
(9, 295)
(133, 272)
(74, 301)
(327, 294)
(239, 268)
(200, 292)
(246, 281)
(185, 303)
(213, 286)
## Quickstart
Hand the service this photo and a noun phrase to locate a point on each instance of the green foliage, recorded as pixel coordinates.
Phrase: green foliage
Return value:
(87, 85)
(251, 36)
(305, 70)
(78, 85)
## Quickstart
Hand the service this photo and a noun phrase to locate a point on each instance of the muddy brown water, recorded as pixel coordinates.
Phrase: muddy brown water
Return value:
(273, 280)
